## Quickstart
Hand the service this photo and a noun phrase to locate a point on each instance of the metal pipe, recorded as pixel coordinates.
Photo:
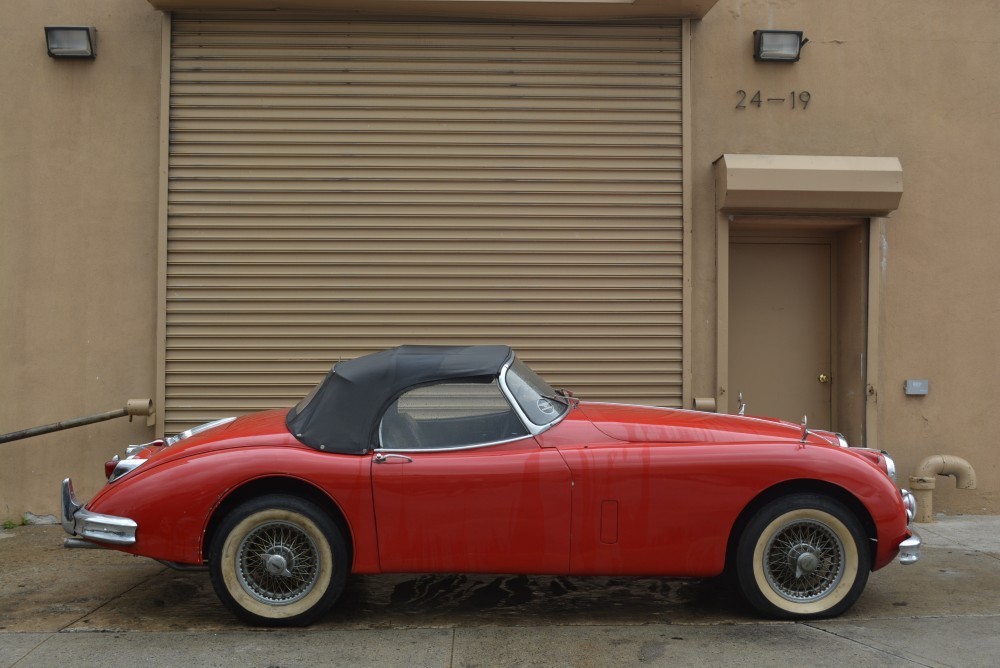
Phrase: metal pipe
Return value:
(924, 480)
(132, 407)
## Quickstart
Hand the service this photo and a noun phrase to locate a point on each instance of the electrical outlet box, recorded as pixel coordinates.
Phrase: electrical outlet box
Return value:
(915, 387)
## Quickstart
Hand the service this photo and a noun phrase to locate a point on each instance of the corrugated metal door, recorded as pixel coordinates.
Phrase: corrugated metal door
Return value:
(338, 187)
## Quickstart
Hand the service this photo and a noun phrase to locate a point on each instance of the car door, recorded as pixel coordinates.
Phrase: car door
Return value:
(459, 485)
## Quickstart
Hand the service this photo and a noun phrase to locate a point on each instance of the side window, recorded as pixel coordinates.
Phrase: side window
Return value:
(448, 415)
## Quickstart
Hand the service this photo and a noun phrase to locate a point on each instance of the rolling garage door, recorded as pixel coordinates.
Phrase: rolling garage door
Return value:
(337, 187)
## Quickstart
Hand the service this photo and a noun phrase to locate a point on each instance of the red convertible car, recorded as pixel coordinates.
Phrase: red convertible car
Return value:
(462, 460)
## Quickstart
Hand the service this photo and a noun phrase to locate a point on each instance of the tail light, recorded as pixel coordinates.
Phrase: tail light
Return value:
(109, 466)
(135, 456)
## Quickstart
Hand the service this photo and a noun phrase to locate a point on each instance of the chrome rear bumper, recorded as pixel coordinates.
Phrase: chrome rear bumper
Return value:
(78, 521)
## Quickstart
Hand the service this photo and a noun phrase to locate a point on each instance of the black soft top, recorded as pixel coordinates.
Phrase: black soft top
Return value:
(341, 413)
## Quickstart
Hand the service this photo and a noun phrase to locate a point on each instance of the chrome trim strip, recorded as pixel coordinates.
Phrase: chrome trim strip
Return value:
(454, 447)
(170, 440)
(532, 428)
(909, 549)
(139, 447)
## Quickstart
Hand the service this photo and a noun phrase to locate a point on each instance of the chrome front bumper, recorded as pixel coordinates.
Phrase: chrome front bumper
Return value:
(909, 549)
(78, 521)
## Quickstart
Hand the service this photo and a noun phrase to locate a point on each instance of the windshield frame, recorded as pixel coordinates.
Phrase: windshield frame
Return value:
(531, 425)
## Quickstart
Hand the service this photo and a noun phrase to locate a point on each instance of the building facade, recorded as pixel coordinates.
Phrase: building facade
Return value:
(226, 200)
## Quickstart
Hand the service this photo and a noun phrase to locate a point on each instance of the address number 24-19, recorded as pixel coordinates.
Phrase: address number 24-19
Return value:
(799, 99)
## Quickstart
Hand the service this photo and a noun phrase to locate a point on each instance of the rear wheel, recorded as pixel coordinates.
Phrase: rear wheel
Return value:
(802, 556)
(278, 561)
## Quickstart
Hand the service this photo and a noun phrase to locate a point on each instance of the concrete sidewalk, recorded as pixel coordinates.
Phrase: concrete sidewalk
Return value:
(95, 608)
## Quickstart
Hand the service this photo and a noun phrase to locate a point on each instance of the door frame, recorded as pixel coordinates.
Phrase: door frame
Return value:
(876, 236)
(868, 187)
(800, 235)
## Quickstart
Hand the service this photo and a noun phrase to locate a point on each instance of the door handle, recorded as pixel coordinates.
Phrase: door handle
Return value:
(383, 457)
(823, 378)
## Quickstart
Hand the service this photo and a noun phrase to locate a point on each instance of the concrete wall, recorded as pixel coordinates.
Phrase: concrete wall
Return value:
(889, 78)
(78, 229)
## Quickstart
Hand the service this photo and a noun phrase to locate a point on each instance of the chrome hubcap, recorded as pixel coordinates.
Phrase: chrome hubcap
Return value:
(277, 563)
(804, 561)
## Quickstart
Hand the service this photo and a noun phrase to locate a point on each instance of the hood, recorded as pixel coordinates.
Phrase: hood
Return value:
(667, 425)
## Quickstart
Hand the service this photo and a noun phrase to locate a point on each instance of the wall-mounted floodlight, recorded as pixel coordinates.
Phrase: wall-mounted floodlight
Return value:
(778, 45)
(71, 41)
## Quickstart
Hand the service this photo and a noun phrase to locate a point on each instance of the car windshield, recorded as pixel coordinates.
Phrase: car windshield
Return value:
(536, 398)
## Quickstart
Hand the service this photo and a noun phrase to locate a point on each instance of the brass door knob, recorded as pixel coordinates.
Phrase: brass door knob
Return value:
(823, 378)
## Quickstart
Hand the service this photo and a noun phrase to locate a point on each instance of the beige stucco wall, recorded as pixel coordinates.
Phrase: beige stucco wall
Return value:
(78, 214)
(78, 221)
(886, 79)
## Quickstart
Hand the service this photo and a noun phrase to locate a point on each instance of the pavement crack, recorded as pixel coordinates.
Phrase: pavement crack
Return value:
(881, 650)
(66, 627)
(32, 650)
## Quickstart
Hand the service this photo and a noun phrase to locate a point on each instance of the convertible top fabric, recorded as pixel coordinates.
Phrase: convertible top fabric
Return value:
(343, 414)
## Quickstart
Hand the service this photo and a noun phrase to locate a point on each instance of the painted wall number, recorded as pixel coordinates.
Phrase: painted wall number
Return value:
(800, 99)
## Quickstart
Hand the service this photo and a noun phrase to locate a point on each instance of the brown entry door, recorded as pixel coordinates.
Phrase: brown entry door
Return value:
(779, 329)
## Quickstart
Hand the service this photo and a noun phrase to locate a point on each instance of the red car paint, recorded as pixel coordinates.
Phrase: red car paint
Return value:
(608, 490)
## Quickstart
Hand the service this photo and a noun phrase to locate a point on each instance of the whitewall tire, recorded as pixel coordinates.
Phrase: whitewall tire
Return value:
(278, 561)
(803, 556)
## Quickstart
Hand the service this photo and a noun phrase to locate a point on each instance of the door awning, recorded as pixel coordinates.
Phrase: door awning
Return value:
(813, 184)
(567, 10)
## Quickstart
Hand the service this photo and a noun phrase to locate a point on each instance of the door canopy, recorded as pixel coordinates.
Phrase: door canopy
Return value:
(808, 184)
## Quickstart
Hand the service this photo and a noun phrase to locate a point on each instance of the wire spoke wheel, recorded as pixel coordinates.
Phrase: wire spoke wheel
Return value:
(804, 561)
(278, 561)
(802, 556)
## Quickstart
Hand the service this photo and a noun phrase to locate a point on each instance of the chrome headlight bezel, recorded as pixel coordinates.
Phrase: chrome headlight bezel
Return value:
(890, 465)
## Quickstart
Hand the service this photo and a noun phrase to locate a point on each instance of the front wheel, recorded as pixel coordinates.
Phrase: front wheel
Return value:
(802, 556)
(278, 561)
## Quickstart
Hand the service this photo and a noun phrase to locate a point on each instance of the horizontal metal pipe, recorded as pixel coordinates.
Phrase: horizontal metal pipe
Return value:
(65, 424)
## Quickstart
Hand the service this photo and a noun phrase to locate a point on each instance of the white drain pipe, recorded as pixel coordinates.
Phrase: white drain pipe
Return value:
(924, 480)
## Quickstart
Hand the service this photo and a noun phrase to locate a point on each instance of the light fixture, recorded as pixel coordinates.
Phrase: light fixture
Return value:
(778, 45)
(71, 41)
